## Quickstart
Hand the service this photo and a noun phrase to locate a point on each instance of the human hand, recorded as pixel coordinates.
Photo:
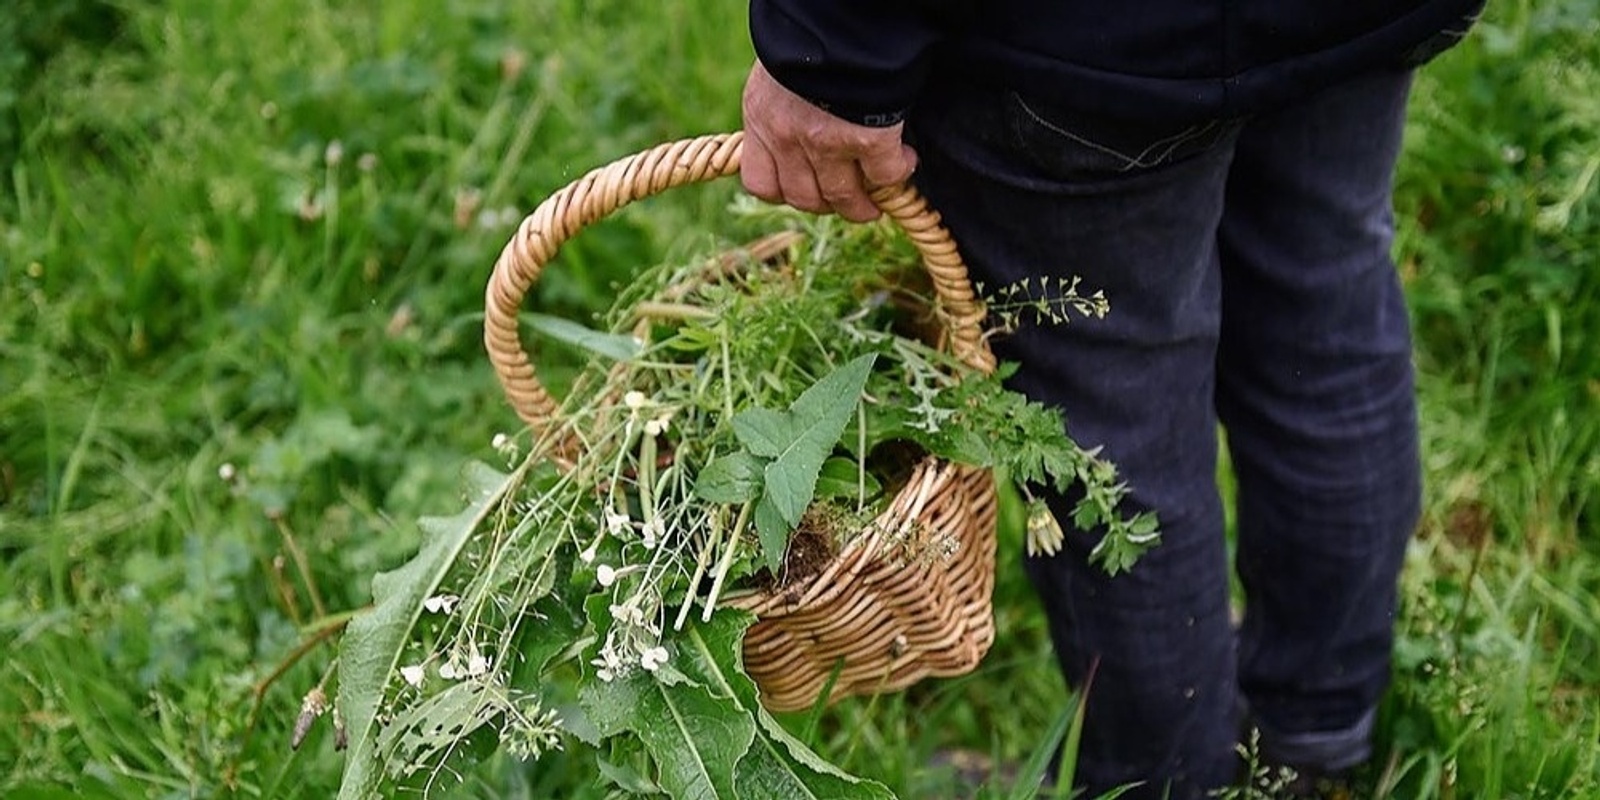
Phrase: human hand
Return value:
(796, 153)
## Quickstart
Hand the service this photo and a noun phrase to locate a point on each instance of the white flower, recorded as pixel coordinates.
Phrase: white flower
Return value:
(227, 472)
(654, 530)
(441, 603)
(413, 674)
(634, 400)
(617, 524)
(653, 428)
(605, 674)
(606, 574)
(653, 658)
(477, 664)
(500, 441)
(451, 670)
(588, 555)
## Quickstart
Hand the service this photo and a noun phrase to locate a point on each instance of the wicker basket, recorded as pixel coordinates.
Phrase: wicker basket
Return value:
(890, 621)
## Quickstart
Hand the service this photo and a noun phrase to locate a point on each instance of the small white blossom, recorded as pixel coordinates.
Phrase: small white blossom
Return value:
(477, 664)
(441, 603)
(227, 472)
(334, 153)
(653, 658)
(500, 441)
(413, 674)
(605, 674)
(654, 531)
(617, 524)
(452, 671)
(653, 428)
(588, 555)
(634, 400)
(606, 574)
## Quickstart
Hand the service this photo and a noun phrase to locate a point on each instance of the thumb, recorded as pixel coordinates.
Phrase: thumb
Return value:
(890, 165)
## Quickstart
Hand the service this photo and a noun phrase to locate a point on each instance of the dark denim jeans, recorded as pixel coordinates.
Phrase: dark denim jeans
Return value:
(1248, 269)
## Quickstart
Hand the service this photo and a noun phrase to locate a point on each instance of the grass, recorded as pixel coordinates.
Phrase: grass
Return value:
(251, 238)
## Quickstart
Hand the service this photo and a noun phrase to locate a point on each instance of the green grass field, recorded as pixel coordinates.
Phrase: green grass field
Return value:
(242, 255)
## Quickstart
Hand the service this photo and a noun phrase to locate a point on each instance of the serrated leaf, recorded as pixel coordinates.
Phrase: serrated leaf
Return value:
(611, 345)
(733, 478)
(370, 651)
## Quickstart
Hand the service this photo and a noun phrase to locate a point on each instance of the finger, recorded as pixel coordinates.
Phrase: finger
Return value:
(798, 180)
(890, 164)
(801, 191)
(842, 189)
(759, 172)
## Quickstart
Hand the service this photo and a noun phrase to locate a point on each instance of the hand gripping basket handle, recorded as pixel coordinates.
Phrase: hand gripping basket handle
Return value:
(608, 188)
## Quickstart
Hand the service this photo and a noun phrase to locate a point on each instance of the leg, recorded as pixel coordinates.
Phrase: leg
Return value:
(1134, 212)
(1314, 386)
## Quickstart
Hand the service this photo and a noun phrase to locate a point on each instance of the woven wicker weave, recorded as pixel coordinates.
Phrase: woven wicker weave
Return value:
(890, 620)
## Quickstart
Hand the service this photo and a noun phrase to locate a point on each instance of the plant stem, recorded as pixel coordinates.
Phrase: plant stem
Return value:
(727, 561)
(700, 565)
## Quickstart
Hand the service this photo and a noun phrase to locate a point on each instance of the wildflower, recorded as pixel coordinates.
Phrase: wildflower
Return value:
(654, 531)
(500, 441)
(367, 162)
(617, 524)
(634, 400)
(588, 555)
(413, 675)
(652, 658)
(1044, 532)
(452, 670)
(441, 603)
(606, 574)
(477, 664)
(334, 153)
(227, 472)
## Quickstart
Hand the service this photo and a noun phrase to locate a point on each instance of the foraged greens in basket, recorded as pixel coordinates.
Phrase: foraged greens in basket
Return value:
(738, 424)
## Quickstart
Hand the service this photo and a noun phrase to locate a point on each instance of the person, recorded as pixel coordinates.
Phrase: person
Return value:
(1223, 172)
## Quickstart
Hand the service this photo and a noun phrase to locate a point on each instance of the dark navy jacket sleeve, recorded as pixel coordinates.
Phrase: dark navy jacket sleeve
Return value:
(862, 60)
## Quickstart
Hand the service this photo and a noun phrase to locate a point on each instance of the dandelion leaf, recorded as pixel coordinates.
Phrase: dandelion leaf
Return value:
(777, 765)
(372, 646)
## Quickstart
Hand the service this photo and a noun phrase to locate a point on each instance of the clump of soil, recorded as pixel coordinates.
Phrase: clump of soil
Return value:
(812, 546)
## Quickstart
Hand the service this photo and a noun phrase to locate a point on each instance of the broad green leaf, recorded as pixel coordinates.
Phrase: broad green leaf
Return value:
(773, 531)
(611, 345)
(798, 441)
(733, 478)
(370, 651)
(822, 413)
(766, 432)
(842, 477)
(777, 765)
(695, 737)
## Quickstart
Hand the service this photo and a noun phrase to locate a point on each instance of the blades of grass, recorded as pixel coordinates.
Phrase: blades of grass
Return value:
(808, 733)
(1061, 738)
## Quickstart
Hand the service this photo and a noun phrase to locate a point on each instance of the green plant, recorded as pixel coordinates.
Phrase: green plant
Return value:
(758, 423)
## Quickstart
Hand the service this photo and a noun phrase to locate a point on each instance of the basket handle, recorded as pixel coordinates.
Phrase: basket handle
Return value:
(608, 188)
